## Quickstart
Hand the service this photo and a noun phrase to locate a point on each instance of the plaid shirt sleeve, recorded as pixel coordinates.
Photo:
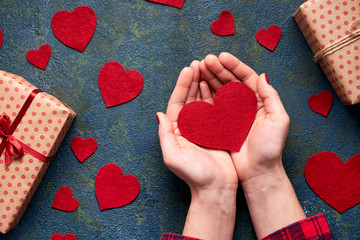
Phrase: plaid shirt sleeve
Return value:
(311, 228)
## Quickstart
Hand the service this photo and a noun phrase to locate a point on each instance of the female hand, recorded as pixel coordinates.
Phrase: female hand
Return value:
(209, 173)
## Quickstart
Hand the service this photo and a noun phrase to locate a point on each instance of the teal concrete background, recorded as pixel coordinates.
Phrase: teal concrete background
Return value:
(159, 41)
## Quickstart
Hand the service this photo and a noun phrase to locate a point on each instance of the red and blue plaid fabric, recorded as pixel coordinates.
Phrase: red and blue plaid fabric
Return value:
(311, 228)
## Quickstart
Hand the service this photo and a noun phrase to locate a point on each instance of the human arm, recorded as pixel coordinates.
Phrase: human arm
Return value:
(209, 173)
(269, 194)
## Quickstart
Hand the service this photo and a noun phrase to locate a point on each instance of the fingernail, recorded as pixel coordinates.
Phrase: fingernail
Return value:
(266, 78)
(157, 118)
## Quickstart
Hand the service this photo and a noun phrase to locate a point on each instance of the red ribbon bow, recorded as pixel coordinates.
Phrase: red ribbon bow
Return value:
(13, 147)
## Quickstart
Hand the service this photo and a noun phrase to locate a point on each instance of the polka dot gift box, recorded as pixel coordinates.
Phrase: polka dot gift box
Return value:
(332, 29)
(32, 127)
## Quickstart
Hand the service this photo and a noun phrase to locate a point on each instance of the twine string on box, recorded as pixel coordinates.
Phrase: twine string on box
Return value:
(339, 44)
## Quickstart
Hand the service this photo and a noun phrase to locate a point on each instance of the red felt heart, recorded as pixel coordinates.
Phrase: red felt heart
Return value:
(321, 103)
(1, 38)
(39, 58)
(336, 183)
(113, 188)
(76, 28)
(225, 25)
(118, 86)
(63, 200)
(83, 148)
(58, 236)
(173, 3)
(270, 37)
(224, 125)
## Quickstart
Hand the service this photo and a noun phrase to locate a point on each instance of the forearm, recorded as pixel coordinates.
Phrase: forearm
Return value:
(272, 202)
(211, 215)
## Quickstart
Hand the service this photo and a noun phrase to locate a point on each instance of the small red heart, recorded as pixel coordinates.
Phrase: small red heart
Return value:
(64, 201)
(1, 38)
(74, 29)
(321, 103)
(39, 58)
(225, 25)
(83, 148)
(118, 86)
(173, 3)
(223, 125)
(58, 236)
(270, 37)
(113, 188)
(336, 183)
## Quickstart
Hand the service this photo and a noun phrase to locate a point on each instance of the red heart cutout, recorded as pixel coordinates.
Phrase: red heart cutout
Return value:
(63, 200)
(1, 38)
(58, 236)
(173, 3)
(74, 29)
(270, 37)
(113, 188)
(39, 58)
(118, 86)
(225, 25)
(321, 103)
(223, 125)
(336, 183)
(83, 148)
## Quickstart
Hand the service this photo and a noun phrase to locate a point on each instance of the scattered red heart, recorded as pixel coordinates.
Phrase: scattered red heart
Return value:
(173, 3)
(118, 86)
(76, 28)
(225, 25)
(114, 189)
(1, 38)
(39, 58)
(83, 148)
(58, 236)
(64, 200)
(336, 183)
(270, 37)
(321, 103)
(224, 125)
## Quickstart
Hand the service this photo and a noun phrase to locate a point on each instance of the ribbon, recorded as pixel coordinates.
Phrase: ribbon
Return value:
(339, 44)
(12, 146)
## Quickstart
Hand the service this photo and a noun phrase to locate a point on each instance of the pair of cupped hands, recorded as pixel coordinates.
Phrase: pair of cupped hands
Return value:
(212, 174)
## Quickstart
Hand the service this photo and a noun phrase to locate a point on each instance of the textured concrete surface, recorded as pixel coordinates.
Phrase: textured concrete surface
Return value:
(159, 41)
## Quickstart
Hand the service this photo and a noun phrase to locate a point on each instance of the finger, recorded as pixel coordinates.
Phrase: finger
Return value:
(180, 93)
(198, 96)
(209, 77)
(270, 98)
(206, 93)
(168, 140)
(214, 65)
(243, 72)
(194, 87)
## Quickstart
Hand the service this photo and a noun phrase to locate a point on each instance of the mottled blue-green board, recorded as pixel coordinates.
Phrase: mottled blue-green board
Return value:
(159, 41)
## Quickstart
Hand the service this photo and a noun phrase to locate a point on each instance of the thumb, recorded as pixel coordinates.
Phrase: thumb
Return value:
(269, 96)
(168, 141)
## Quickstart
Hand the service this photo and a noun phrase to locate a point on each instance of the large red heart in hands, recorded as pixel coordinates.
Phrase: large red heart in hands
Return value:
(118, 86)
(58, 236)
(224, 125)
(39, 58)
(64, 200)
(270, 37)
(83, 148)
(225, 25)
(76, 28)
(173, 3)
(336, 183)
(321, 103)
(113, 188)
